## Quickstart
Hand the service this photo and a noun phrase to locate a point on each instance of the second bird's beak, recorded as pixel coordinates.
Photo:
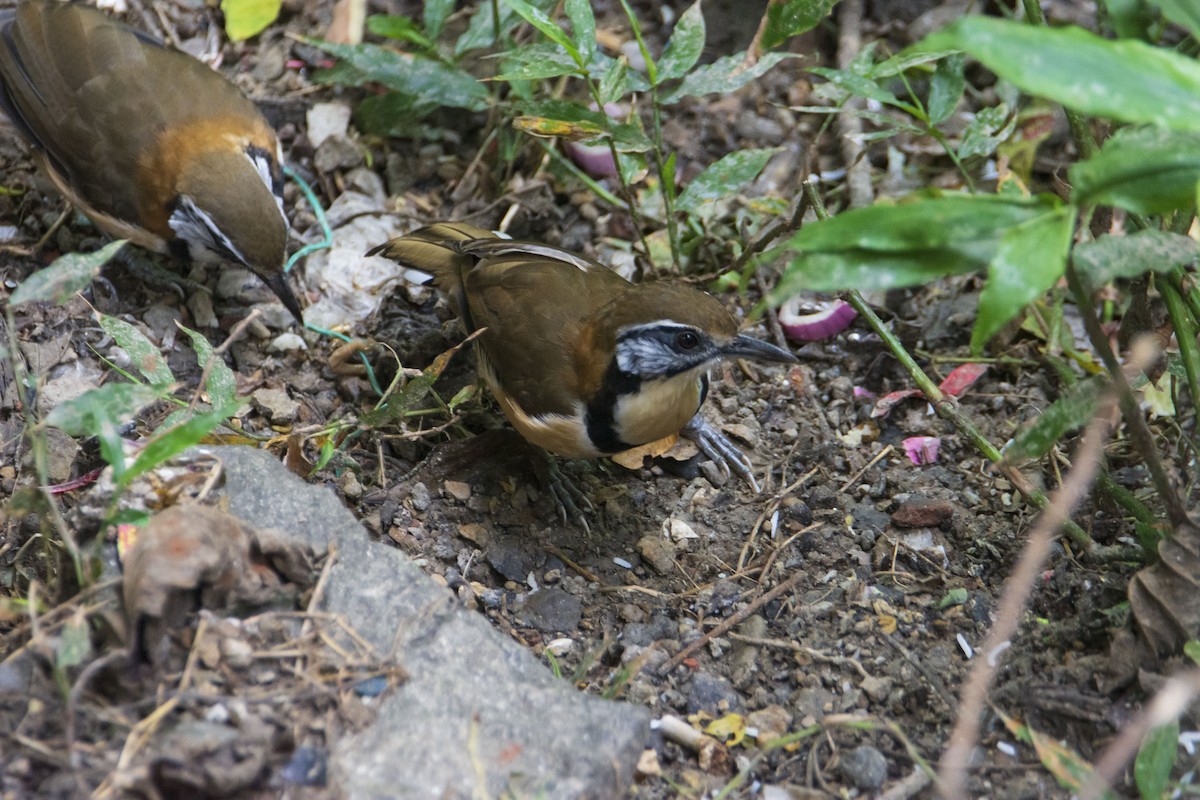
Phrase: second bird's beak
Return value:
(277, 282)
(748, 347)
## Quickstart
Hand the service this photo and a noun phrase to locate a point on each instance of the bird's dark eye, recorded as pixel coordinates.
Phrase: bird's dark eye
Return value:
(687, 340)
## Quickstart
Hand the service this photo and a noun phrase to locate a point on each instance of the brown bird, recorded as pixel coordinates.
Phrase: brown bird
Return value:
(148, 142)
(583, 362)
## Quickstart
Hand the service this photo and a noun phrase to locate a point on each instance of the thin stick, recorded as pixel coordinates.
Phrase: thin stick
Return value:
(953, 768)
(733, 619)
(882, 454)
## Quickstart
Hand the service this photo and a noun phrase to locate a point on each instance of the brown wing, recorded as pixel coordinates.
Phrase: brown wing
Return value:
(536, 301)
(435, 249)
(536, 306)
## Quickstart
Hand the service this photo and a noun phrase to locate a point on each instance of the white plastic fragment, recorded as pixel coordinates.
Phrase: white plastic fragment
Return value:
(968, 651)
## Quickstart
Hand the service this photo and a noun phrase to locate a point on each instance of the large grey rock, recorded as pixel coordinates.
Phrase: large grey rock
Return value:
(478, 716)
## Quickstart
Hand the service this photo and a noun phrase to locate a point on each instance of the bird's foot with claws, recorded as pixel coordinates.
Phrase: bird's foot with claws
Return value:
(724, 453)
(572, 504)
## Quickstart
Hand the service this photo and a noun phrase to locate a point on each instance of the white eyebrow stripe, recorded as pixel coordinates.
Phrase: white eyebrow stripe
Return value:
(658, 324)
(262, 165)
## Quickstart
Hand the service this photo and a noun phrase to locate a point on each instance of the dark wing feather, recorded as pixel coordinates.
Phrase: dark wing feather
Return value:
(503, 285)
(533, 337)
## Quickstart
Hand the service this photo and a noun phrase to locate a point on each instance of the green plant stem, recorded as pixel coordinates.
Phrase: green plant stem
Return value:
(1081, 132)
(1185, 335)
(1139, 431)
(1188, 289)
(587, 180)
(630, 204)
(946, 407)
(1125, 498)
(771, 234)
(666, 181)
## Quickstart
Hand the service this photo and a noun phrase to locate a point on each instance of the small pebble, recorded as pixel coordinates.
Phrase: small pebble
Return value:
(458, 490)
(713, 694)
(419, 494)
(865, 767)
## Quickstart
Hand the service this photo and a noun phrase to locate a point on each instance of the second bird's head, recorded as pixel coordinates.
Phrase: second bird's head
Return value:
(228, 206)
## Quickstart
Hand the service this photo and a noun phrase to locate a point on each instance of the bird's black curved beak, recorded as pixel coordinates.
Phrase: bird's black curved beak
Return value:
(277, 282)
(748, 347)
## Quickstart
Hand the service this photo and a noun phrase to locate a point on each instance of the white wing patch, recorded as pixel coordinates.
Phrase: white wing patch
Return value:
(204, 239)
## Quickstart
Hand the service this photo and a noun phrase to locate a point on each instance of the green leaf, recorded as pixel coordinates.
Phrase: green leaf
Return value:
(403, 29)
(888, 246)
(391, 114)
(583, 28)
(1123, 80)
(436, 12)
(1152, 767)
(685, 45)
(635, 27)
(988, 130)
(142, 352)
(954, 597)
(723, 76)
(1130, 19)
(1191, 649)
(69, 274)
(633, 167)
(74, 642)
(172, 441)
(463, 395)
(668, 178)
(788, 18)
(1030, 259)
(221, 383)
(724, 177)
(117, 402)
(481, 29)
(100, 413)
(245, 18)
(614, 82)
(1073, 409)
(907, 59)
(852, 83)
(1144, 170)
(1111, 258)
(549, 28)
(481, 32)
(946, 87)
(536, 62)
(423, 79)
(1184, 13)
